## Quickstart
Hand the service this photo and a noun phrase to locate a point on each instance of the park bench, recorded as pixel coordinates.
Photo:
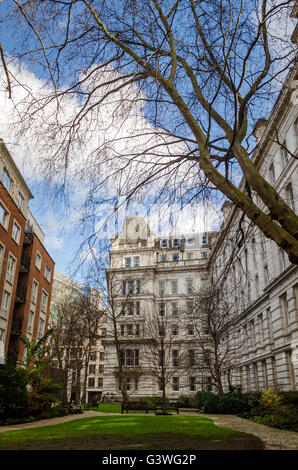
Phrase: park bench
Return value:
(171, 406)
(136, 405)
(72, 408)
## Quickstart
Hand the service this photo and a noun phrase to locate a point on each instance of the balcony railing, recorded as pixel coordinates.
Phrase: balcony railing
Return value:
(16, 325)
(25, 263)
(28, 234)
(21, 292)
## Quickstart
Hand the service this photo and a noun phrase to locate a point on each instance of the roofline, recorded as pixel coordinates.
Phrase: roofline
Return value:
(15, 167)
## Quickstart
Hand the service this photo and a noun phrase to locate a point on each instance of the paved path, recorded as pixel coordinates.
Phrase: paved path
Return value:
(274, 439)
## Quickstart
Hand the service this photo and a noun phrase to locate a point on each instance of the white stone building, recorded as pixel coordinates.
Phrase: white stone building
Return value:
(267, 323)
(161, 271)
(152, 278)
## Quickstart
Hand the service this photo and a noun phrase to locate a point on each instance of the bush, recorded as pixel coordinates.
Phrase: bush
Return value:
(286, 422)
(183, 401)
(201, 397)
(13, 392)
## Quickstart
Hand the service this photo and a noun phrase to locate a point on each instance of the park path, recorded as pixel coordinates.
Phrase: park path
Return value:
(274, 439)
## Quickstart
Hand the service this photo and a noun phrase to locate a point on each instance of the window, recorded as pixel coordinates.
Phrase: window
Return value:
(161, 356)
(164, 243)
(131, 287)
(266, 274)
(189, 286)
(91, 382)
(10, 270)
(138, 286)
(129, 309)
(16, 232)
(161, 288)
(290, 196)
(204, 239)
(161, 330)
(34, 292)
(100, 368)
(129, 329)
(190, 330)
(190, 241)
(175, 330)
(136, 261)
(44, 301)
(272, 173)
(191, 358)
(137, 329)
(189, 307)
(100, 382)
(102, 356)
(127, 262)
(92, 356)
(160, 384)
(5, 304)
(204, 254)
(6, 180)
(161, 309)
(175, 358)
(176, 242)
(38, 260)
(285, 308)
(163, 258)
(20, 201)
(124, 287)
(92, 369)
(174, 308)
(174, 287)
(47, 273)
(122, 326)
(131, 357)
(30, 321)
(4, 216)
(189, 255)
(137, 307)
(41, 327)
(2, 332)
(192, 384)
(175, 384)
(175, 258)
(285, 154)
(282, 259)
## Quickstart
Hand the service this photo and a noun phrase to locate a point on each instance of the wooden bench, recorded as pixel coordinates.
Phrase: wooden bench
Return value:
(136, 405)
(172, 405)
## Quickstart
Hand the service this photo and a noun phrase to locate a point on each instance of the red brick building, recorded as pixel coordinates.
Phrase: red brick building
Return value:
(26, 268)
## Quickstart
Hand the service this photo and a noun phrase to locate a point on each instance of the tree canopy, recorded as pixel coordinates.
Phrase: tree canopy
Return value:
(187, 78)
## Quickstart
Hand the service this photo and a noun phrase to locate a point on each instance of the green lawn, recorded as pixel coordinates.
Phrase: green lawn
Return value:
(127, 426)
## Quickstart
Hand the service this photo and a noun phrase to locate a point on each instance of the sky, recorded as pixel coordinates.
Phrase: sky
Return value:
(63, 216)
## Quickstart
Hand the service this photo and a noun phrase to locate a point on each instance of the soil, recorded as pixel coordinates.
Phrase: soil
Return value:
(141, 442)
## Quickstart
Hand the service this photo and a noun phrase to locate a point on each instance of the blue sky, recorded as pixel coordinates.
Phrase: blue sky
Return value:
(63, 217)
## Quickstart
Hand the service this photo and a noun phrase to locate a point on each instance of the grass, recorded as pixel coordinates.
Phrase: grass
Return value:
(121, 426)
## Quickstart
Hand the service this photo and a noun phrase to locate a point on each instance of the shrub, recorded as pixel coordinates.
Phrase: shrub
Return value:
(13, 392)
(201, 397)
(289, 398)
(183, 401)
(269, 402)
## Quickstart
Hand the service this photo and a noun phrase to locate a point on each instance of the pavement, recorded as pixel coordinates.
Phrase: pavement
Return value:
(273, 438)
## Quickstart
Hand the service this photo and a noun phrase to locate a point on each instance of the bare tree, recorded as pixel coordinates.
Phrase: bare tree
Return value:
(75, 322)
(164, 351)
(213, 313)
(209, 65)
(122, 303)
